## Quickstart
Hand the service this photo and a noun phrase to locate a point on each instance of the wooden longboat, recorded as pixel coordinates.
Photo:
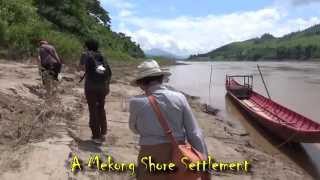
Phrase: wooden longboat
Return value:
(277, 119)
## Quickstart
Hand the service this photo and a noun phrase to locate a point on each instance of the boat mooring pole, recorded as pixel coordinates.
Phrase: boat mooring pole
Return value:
(210, 85)
(264, 83)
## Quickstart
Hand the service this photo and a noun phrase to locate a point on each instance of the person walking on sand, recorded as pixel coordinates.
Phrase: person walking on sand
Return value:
(49, 67)
(143, 120)
(97, 79)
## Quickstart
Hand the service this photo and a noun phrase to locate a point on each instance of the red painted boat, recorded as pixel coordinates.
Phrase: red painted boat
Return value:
(279, 120)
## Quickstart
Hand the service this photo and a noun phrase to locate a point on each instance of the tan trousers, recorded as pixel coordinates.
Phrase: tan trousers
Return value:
(49, 83)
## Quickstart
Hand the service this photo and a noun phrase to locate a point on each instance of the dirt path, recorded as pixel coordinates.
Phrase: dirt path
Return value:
(62, 131)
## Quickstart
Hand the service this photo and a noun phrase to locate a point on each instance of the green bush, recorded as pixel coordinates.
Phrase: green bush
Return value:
(64, 23)
(68, 46)
(3, 33)
(117, 55)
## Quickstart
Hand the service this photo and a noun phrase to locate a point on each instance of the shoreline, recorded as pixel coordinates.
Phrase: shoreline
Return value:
(206, 59)
(67, 132)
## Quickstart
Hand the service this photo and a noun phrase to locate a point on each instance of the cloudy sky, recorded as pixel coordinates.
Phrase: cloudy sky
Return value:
(185, 27)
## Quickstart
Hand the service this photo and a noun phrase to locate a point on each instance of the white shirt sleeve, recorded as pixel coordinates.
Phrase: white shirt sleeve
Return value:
(133, 118)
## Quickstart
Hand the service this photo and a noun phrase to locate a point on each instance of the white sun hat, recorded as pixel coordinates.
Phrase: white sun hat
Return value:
(149, 68)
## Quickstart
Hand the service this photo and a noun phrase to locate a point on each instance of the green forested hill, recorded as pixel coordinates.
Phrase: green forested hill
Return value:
(64, 23)
(302, 45)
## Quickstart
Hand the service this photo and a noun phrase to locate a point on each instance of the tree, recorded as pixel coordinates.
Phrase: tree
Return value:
(66, 14)
(267, 36)
(95, 8)
(282, 52)
(310, 51)
(298, 52)
(65, 23)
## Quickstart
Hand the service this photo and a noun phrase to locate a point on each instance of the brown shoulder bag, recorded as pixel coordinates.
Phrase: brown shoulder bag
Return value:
(179, 151)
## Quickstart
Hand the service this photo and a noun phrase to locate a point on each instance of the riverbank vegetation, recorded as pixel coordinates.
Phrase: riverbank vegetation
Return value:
(302, 45)
(65, 24)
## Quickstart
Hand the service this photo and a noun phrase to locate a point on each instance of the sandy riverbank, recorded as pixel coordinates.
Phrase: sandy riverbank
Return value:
(38, 138)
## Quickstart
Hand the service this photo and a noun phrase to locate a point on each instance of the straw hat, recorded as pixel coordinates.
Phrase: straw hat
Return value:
(149, 68)
(43, 42)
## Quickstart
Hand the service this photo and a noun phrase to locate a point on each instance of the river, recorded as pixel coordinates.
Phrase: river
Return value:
(295, 85)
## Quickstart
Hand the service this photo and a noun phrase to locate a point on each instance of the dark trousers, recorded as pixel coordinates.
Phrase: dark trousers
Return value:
(96, 100)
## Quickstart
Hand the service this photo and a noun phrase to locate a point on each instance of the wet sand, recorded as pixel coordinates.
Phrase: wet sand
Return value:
(62, 131)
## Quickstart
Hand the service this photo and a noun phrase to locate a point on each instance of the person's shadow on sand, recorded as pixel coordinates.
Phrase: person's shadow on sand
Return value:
(86, 145)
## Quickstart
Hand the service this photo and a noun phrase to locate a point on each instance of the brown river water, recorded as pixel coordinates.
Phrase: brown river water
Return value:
(295, 85)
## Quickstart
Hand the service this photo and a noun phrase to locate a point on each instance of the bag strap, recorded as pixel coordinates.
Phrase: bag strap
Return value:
(162, 120)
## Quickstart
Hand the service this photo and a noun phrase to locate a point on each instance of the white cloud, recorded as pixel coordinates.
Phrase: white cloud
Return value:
(120, 4)
(192, 35)
(185, 35)
(125, 13)
(124, 7)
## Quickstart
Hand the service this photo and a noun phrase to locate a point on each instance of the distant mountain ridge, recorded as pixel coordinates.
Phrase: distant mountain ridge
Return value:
(301, 45)
(155, 52)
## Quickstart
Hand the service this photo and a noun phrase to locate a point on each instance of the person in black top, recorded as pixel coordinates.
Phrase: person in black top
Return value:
(97, 79)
